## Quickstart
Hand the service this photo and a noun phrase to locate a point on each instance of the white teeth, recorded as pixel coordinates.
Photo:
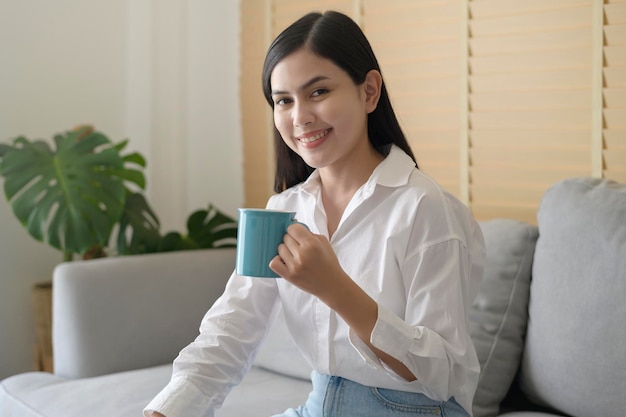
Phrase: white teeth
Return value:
(314, 138)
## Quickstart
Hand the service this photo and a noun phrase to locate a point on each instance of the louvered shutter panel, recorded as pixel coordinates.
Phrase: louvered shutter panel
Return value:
(257, 167)
(614, 149)
(286, 12)
(418, 46)
(530, 101)
(499, 99)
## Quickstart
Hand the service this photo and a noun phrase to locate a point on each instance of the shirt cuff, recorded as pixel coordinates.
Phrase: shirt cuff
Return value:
(391, 335)
(180, 398)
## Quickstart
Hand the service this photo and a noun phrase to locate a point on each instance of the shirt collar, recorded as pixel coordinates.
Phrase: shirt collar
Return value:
(393, 171)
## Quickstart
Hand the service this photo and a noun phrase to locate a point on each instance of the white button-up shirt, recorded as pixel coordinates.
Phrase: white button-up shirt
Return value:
(409, 244)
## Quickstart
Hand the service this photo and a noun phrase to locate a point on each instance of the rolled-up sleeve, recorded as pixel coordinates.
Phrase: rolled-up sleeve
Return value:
(432, 340)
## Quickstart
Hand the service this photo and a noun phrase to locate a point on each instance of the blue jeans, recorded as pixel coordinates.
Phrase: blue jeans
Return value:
(334, 396)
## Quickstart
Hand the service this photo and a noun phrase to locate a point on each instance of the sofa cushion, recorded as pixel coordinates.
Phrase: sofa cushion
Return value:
(499, 314)
(574, 357)
(125, 394)
(40, 394)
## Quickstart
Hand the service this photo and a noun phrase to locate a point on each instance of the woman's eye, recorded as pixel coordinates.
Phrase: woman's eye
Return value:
(319, 92)
(282, 101)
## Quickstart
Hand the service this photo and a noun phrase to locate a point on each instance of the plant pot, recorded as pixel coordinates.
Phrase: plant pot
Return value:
(42, 309)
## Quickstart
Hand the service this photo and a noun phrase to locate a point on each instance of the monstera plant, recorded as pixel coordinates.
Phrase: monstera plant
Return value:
(74, 195)
(70, 196)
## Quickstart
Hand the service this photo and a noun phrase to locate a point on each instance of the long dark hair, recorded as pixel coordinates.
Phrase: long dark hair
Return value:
(334, 36)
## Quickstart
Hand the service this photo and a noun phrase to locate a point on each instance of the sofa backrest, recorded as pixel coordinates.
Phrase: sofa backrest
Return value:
(104, 321)
(575, 352)
(500, 311)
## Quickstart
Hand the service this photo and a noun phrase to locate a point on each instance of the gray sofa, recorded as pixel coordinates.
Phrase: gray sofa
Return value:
(551, 345)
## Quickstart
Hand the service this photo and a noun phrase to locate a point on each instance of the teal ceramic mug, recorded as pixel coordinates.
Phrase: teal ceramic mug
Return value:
(259, 232)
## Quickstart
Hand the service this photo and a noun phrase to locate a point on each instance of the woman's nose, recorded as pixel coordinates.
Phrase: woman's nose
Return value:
(302, 115)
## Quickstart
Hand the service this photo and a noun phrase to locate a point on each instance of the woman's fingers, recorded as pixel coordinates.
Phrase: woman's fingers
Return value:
(277, 265)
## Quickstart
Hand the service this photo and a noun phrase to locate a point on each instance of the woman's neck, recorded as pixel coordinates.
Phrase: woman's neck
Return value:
(339, 184)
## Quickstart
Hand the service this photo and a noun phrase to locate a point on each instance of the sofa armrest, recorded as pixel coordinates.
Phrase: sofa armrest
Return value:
(130, 312)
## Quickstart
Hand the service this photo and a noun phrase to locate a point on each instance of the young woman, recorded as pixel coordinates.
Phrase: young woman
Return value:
(377, 293)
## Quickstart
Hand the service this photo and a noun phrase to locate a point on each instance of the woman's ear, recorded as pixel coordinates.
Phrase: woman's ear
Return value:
(372, 85)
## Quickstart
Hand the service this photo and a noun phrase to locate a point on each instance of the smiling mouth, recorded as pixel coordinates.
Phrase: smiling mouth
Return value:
(309, 139)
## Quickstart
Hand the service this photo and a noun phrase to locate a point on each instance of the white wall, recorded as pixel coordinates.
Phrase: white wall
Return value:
(162, 73)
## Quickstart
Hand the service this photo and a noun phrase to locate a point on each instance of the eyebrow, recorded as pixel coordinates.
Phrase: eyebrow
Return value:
(305, 85)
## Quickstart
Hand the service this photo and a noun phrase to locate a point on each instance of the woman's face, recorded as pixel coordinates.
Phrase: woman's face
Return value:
(318, 110)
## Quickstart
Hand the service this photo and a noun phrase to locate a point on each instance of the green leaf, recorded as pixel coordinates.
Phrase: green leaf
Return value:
(70, 195)
(121, 145)
(4, 148)
(88, 144)
(212, 229)
(130, 175)
(174, 241)
(135, 158)
(139, 226)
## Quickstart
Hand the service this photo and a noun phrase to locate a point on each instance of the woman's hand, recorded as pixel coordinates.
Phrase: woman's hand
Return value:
(308, 261)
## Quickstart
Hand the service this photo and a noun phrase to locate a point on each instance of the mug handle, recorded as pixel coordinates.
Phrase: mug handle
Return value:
(297, 222)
